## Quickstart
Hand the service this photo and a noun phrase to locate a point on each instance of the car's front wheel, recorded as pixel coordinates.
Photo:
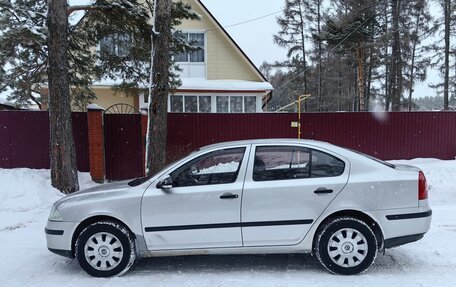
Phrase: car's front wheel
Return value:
(346, 246)
(105, 249)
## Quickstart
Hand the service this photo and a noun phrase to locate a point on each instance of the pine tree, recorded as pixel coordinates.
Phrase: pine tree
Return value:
(418, 27)
(352, 29)
(164, 43)
(442, 49)
(64, 174)
(23, 49)
(293, 36)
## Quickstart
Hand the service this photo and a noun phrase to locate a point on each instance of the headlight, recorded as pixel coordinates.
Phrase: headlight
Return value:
(55, 214)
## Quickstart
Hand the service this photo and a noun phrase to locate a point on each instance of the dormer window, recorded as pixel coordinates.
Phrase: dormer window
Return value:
(115, 45)
(196, 40)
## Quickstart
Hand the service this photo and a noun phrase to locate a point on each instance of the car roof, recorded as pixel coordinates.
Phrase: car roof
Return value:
(267, 141)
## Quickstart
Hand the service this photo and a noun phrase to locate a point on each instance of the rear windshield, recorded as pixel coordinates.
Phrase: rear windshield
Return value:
(374, 159)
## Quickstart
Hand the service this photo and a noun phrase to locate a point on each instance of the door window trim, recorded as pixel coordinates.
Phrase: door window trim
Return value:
(309, 148)
(241, 172)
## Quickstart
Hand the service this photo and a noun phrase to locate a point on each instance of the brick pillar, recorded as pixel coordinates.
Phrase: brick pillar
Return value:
(96, 143)
(143, 137)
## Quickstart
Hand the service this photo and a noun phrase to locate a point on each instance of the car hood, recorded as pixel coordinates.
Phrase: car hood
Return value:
(106, 187)
(99, 192)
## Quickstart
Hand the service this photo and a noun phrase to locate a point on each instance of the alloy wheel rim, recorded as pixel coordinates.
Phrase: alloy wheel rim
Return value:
(103, 251)
(347, 247)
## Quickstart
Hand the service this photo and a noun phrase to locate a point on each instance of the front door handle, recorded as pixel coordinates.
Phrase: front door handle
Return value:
(323, 190)
(228, 195)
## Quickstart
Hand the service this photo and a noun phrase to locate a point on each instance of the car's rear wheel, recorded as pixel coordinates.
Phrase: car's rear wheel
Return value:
(346, 246)
(105, 249)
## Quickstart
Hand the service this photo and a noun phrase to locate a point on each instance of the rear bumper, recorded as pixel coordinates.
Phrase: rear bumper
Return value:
(400, 226)
(409, 215)
(397, 241)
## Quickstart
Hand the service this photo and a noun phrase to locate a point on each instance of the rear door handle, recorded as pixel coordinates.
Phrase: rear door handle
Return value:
(323, 190)
(228, 195)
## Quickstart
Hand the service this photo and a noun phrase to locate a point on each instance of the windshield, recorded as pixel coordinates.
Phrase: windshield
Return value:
(141, 180)
(374, 159)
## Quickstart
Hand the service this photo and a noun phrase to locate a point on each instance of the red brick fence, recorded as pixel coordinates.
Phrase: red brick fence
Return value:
(112, 146)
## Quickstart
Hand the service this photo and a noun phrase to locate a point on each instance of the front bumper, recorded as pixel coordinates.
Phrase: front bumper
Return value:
(59, 237)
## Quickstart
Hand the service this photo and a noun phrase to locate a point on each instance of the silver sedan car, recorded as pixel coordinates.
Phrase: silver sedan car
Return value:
(247, 197)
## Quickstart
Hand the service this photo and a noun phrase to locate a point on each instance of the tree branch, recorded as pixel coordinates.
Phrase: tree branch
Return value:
(75, 8)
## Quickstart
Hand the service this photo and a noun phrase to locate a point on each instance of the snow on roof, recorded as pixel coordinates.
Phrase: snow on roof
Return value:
(203, 84)
(239, 85)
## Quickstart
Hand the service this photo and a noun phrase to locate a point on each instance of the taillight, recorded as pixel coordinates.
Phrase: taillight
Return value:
(422, 186)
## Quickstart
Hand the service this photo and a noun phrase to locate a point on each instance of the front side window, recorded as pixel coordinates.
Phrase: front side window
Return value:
(196, 40)
(290, 162)
(218, 167)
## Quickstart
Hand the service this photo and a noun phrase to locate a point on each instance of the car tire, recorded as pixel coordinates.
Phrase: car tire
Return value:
(105, 249)
(346, 246)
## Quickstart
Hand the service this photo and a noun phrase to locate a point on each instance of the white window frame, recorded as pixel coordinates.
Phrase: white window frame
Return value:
(214, 101)
(196, 31)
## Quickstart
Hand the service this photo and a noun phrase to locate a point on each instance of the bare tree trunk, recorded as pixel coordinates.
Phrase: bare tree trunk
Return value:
(158, 103)
(396, 65)
(320, 101)
(64, 175)
(303, 47)
(339, 83)
(412, 68)
(446, 80)
(387, 66)
(369, 81)
(361, 88)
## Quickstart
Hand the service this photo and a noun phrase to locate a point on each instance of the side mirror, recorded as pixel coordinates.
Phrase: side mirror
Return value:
(166, 183)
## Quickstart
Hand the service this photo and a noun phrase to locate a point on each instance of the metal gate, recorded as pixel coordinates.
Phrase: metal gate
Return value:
(123, 144)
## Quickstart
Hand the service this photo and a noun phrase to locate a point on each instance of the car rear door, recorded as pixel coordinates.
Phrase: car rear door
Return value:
(286, 189)
(202, 209)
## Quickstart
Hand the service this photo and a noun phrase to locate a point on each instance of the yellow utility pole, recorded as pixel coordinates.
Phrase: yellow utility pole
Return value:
(300, 99)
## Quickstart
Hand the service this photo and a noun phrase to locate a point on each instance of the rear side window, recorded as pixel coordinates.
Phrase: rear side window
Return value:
(218, 167)
(325, 165)
(289, 162)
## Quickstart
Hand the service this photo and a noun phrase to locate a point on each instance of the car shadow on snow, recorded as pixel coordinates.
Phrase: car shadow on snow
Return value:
(227, 264)
(394, 261)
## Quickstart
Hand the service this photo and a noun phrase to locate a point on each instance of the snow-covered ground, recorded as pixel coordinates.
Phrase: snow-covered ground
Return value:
(26, 198)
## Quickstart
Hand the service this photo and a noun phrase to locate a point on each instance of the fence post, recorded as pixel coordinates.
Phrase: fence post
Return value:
(96, 143)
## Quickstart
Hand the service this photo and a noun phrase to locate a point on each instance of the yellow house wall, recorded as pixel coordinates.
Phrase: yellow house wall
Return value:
(106, 98)
(224, 61)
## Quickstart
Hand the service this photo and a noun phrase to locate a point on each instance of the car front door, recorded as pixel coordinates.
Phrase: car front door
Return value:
(202, 208)
(285, 191)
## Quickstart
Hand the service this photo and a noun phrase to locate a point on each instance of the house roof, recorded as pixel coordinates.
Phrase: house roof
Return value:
(231, 39)
(203, 84)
